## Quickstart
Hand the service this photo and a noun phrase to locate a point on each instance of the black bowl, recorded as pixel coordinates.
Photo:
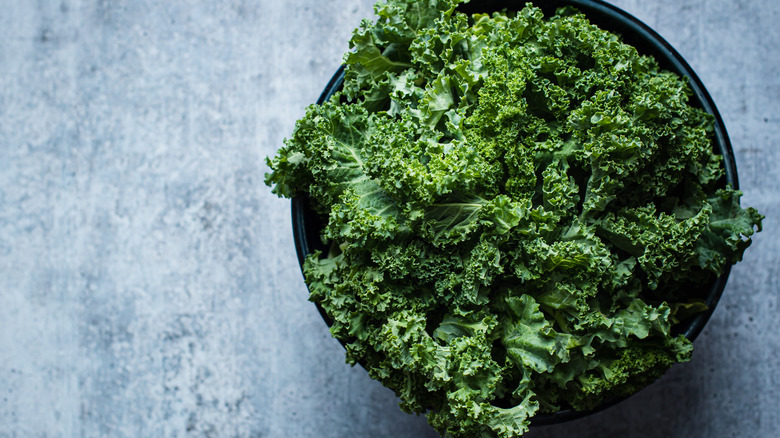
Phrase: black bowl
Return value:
(307, 224)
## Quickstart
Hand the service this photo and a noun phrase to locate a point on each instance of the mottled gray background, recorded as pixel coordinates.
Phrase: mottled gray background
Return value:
(148, 283)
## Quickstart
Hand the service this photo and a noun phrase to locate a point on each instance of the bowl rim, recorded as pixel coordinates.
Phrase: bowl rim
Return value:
(306, 224)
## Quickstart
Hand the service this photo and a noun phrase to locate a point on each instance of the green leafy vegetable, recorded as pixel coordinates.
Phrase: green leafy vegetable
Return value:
(518, 208)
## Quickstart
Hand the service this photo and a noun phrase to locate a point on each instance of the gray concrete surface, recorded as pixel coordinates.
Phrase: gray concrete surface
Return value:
(148, 283)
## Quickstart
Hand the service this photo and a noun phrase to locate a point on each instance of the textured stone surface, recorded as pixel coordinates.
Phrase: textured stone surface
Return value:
(148, 283)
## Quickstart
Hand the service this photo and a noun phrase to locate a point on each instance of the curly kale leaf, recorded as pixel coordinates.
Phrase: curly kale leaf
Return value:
(519, 210)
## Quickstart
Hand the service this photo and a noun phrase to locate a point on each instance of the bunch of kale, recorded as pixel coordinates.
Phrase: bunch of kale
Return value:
(517, 207)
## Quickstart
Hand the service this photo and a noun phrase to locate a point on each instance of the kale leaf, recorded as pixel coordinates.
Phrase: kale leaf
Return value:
(517, 207)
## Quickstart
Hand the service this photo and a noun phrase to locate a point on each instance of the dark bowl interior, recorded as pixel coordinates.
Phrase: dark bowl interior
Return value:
(307, 224)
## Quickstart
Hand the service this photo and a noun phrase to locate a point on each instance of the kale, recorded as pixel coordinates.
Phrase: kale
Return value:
(516, 208)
